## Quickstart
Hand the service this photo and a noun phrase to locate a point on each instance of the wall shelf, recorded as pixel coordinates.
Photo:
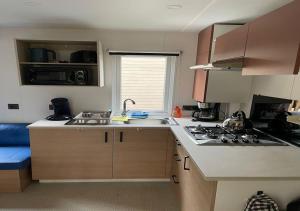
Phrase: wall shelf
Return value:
(63, 50)
(58, 63)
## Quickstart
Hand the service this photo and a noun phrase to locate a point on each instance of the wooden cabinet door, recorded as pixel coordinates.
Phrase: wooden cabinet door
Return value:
(200, 85)
(195, 193)
(201, 193)
(140, 153)
(273, 43)
(232, 44)
(204, 43)
(203, 57)
(71, 153)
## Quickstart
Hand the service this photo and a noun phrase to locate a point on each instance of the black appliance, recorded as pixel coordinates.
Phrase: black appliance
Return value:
(220, 136)
(207, 112)
(269, 115)
(83, 56)
(61, 109)
(40, 75)
(41, 55)
(294, 205)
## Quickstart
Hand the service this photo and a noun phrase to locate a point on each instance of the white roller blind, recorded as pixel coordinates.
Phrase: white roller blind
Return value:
(143, 79)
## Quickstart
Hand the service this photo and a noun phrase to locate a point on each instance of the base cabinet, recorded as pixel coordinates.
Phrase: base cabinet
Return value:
(72, 153)
(194, 192)
(140, 153)
(100, 153)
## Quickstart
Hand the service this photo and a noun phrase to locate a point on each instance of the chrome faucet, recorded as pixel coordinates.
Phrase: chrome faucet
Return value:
(124, 106)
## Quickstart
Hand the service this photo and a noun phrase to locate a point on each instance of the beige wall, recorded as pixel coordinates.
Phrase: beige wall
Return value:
(34, 100)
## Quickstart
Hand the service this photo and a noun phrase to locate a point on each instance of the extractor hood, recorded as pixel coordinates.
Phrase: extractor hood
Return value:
(234, 64)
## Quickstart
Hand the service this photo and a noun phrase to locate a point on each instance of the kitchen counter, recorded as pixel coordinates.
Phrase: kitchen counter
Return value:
(240, 162)
(222, 162)
(61, 124)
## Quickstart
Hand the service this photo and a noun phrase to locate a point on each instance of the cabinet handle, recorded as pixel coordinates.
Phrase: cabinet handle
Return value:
(184, 165)
(177, 157)
(121, 136)
(106, 137)
(174, 180)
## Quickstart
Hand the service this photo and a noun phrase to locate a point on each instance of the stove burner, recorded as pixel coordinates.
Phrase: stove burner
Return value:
(245, 140)
(199, 127)
(220, 136)
(249, 136)
(212, 135)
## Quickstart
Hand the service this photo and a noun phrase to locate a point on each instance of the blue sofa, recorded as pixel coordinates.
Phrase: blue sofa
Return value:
(14, 156)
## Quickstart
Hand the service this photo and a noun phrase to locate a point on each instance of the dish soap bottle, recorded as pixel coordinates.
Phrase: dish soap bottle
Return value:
(177, 113)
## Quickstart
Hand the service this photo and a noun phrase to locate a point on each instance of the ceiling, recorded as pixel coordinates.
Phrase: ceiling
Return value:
(153, 15)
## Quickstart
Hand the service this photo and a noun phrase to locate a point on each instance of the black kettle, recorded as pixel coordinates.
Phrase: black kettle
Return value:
(237, 122)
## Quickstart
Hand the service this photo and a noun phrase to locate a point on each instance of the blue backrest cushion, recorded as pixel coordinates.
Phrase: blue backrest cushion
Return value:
(14, 134)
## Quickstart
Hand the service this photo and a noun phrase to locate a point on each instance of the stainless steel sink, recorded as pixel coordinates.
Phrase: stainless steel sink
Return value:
(166, 121)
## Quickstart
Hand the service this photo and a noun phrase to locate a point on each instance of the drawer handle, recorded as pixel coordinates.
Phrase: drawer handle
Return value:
(174, 179)
(184, 165)
(177, 157)
(121, 136)
(106, 137)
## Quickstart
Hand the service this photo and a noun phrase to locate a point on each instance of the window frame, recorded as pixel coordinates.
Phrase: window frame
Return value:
(169, 84)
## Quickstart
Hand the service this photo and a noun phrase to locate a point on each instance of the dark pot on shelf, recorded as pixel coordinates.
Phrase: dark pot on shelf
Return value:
(41, 55)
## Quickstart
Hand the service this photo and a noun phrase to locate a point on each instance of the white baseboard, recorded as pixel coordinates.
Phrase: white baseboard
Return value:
(104, 180)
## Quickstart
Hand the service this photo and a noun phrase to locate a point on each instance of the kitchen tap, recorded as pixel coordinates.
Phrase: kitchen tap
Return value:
(124, 106)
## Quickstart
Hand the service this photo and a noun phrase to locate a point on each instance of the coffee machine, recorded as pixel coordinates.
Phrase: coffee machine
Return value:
(61, 109)
(207, 112)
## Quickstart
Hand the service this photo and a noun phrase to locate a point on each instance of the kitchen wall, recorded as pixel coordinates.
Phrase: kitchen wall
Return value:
(34, 100)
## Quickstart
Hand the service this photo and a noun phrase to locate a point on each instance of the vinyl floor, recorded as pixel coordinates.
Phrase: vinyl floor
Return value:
(117, 196)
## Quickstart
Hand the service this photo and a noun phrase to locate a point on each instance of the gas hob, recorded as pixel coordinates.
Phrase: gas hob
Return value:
(220, 136)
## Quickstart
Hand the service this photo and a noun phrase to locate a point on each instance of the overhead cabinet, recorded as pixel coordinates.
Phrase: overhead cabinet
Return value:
(273, 43)
(232, 44)
(217, 86)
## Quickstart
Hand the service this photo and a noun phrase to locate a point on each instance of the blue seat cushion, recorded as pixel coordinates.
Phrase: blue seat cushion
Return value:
(12, 158)
(14, 134)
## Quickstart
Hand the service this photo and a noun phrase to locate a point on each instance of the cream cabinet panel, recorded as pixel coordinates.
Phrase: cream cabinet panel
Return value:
(296, 88)
(274, 86)
(226, 86)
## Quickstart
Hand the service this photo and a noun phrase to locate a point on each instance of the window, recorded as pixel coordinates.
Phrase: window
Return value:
(148, 80)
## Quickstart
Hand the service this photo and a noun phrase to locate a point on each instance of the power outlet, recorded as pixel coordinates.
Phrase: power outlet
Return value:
(13, 106)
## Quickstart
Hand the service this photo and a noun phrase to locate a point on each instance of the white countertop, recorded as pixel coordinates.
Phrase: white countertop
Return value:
(240, 162)
(223, 162)
(61, 124)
